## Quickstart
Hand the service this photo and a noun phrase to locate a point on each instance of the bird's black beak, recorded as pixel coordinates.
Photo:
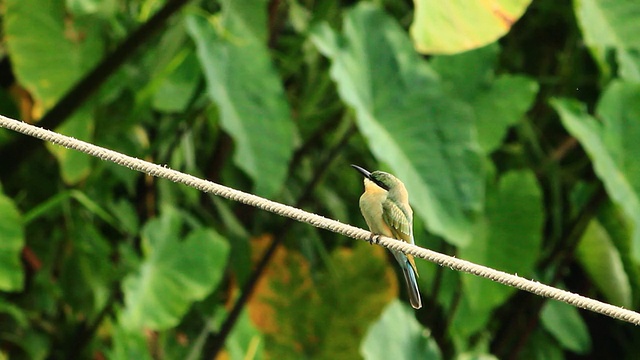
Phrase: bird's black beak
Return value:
(363, 171)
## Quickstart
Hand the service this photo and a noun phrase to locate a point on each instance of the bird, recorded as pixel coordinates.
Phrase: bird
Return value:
(385, 208)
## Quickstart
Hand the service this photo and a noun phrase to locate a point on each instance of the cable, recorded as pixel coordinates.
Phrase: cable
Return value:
(322, 222)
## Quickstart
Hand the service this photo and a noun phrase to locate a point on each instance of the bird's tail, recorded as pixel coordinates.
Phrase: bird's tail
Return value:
(411, 280)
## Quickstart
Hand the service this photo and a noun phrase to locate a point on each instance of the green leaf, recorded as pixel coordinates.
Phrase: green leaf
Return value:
(60, 199)
(173, 274)
(612, 25)
(36, 344)
(176, 90)
(398, 335)
(105, 8)
(501, 106)
(426, 136)
(612, 145)
(476, 356)
(629, 64)
(129, 345)
(508, 238)
(618, 228)
(245, 341)
(11, 244)
(245, 85)
(563, 321)
(447, 27)
(601, 260)
(609, 23)
(87, 273)
(468, 320)
(542, 346)
(15, 313)
(467, 74)
(498, 101)
(37, 30)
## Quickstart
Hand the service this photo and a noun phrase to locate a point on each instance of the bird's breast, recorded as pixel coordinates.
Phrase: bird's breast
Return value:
(371, 208)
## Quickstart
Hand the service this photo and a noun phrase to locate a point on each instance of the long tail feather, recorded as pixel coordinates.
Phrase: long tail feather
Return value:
(410, 278)
(412, 285)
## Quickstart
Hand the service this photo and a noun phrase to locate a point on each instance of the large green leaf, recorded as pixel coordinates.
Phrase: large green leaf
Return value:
(177, 88)
(629, 64)
(508, 238)
(447, 27)
(468, 320)
(245, 85)
(563, 321)
(426, 136)
(618, 229)
(398, 335)
(11, 244)
(129, 345)
(173, 274)
(502, 105)
(49, 53)
(601, 260)
(498, 101)
(609, 23)
(612, 145)
(612, 25)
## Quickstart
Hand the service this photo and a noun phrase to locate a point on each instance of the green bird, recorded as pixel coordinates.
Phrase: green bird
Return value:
(385, 207)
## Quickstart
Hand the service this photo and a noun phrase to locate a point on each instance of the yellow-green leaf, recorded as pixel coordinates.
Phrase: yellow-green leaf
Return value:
(453, 26)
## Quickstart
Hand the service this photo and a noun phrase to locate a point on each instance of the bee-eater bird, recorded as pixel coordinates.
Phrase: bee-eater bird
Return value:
(385, 207)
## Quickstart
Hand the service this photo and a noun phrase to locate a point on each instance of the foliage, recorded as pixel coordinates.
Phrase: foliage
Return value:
(404, 338)
(519, 153)
(282, 310)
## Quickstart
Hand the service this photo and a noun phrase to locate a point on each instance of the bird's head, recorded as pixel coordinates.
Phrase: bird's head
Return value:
(380, 178)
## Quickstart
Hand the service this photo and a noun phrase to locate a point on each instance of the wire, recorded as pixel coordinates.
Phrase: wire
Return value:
(322, 222)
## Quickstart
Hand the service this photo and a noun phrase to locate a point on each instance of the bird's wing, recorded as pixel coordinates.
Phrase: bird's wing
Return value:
(400, 221)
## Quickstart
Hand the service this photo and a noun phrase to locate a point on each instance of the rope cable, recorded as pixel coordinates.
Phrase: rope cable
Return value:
(322, 222)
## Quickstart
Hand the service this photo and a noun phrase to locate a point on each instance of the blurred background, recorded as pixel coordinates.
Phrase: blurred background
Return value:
(514, 125)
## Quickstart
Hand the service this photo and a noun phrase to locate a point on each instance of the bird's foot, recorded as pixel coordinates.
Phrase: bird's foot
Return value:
(374, 239)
